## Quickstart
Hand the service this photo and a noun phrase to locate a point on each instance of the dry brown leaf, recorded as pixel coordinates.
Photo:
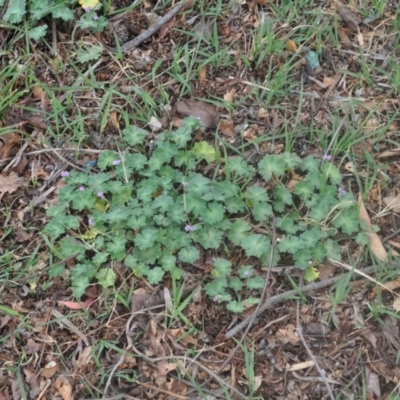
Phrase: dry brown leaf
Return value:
(21, 165)
(85, 358)
(326, 271)
(7, 143)
(202, 73)
(373, 382)
(64, 387)
(8, 184)
(21, 235)
(348, 16)
(164, 30)
(396, 304)
(376, 244)
(226, 127)
(291, 46)
(251, 133)
(393, 203)
(37, 92)
(114, 119)
(230, 96)
(344, 37)
(206, 113)
(49, 370)
(360, 38)
(262, 113)
(332, 81)
(389, 153)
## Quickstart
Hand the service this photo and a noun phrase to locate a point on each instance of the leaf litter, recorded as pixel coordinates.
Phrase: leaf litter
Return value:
(356, 338)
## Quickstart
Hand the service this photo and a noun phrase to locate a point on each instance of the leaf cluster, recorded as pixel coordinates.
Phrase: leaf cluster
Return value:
(36, 11)
(158, 212)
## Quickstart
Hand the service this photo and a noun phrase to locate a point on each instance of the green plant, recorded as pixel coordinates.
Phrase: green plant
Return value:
(36, 11)
(158, 212)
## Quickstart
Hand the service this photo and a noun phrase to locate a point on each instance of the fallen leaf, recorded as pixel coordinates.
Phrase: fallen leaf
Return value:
(22, 163)
(21, 235)
(206, 113)
(154, 124)
(291, 46)
(396, 304)
(348, 16)
(389, 153)
(85, 357)
(164, 30)
(393, 203)
(344, 37)
(37, 92)
(326, 271)
(114, 119)
(230, 96)
(202, 73)
(49, 370)
(262, 113)
(73, 305)
(376, 244)
(31, 347)
(373, 382)
(226, 127)
(8, 184)
(7, 143)
(332, 81)
(64, 387)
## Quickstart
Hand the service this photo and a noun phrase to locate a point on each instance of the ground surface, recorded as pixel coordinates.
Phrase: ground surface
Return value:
(247, 62)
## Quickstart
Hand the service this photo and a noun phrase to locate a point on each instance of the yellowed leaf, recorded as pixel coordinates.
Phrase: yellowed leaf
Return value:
(375, 243)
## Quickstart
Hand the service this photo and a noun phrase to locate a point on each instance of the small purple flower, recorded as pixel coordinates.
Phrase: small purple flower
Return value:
(81, 188)
(247, 272)
(327, 157)
(216, 298)
(310, 262)
(101, 195)
(95, 17)
(64, 174)
(88, 8)
(190, 228)
(116, 162)
(185, 184)
(342, 191)
(90, 222)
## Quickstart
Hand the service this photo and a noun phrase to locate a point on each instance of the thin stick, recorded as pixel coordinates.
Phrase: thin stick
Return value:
(319, 369)
(132, 44)
(284, 296)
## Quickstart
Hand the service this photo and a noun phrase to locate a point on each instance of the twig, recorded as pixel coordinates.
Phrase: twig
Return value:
(284, 296)
(132, 44)
(319, 369)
